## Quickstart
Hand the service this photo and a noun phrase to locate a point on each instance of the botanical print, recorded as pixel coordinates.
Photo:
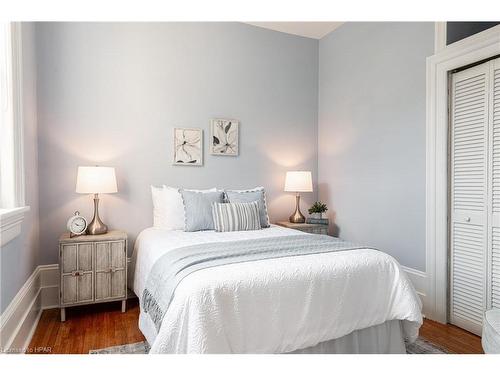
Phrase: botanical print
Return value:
(188, 146)
(224, 137)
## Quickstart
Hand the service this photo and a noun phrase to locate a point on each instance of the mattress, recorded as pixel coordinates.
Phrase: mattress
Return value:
(274, 305)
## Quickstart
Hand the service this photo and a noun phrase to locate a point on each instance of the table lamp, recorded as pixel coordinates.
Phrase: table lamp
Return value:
(298, 182)
(95, 180)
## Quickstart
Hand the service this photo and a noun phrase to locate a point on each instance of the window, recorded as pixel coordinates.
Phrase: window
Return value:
(12, 205)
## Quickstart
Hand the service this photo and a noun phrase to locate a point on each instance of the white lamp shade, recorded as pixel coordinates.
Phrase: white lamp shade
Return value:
(298, 181)
(93, 180)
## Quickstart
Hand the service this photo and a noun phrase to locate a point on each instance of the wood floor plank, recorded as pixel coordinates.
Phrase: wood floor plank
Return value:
(100, 326)
(453, 339)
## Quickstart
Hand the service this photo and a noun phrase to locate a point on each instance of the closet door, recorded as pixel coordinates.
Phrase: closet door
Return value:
(493, 275)
(469, 195)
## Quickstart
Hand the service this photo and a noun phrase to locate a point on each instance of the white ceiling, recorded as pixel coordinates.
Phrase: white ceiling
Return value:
(316, 30)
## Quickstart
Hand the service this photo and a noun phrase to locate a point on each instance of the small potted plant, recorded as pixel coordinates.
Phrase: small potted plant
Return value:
(317, 209)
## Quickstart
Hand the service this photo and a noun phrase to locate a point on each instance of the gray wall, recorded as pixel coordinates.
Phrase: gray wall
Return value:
(110, 94)
(371, 155)
(19, 258)
(456, 31)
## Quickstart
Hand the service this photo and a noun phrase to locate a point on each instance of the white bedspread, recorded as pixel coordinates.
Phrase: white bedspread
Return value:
(273, 305)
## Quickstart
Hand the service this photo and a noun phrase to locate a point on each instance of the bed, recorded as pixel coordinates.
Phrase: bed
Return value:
(352, 301)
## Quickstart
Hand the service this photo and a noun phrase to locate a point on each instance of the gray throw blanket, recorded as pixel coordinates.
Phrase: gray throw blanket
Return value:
(175, 265)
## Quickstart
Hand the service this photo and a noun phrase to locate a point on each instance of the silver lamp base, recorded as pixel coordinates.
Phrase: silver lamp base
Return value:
(297, 216)
(96, 226)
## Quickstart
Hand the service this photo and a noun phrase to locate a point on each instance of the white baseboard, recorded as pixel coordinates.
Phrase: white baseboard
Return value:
(420, 282)
(21, 316)
(49, 285)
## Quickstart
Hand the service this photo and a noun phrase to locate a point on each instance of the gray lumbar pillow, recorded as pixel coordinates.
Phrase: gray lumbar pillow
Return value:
(198, 209)
(246, 196)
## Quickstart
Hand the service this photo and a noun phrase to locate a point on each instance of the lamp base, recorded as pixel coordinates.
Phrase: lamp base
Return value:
(297, 217)
(96, 226)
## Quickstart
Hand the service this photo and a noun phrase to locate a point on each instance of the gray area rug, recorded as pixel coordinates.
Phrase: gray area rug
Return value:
(137, 348)
(420, 346)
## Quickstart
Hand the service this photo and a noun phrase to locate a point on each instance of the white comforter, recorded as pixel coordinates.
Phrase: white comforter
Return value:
(273, 305)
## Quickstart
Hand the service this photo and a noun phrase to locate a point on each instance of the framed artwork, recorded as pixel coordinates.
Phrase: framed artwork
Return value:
(224, 137)
(188, 146)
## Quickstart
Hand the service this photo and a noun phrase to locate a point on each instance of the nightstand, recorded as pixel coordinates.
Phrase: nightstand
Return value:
(308, 228)
(93, 269)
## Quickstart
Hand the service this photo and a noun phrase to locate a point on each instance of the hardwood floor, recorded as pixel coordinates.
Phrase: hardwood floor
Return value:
(101, 326)
(86, 328)
(451, 338)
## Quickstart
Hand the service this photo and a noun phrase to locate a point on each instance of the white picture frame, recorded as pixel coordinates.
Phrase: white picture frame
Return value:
(224, 137)
(188, 146)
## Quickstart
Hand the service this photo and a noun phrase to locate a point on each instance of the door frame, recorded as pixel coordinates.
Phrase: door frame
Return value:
(467, 51)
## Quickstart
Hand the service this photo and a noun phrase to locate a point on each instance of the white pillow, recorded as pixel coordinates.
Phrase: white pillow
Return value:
(168, 208)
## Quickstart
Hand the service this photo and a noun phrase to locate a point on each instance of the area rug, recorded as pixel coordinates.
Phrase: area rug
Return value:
(420, 346)
(136, 348)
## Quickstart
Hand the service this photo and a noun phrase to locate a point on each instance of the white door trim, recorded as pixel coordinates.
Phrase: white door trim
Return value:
(467, 51)
(439, 36)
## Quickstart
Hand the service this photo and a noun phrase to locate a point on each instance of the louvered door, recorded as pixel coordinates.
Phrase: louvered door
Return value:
(493, 274)
(469, 196)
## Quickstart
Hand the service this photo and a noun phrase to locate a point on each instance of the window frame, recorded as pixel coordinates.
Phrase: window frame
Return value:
(12, 217)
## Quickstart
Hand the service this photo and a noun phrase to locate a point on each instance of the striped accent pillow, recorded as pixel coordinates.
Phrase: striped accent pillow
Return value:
(230, 217)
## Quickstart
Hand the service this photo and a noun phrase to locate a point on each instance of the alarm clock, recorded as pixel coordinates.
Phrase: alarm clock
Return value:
(76, 225)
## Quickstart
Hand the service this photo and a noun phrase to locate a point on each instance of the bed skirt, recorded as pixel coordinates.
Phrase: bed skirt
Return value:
(385, 338)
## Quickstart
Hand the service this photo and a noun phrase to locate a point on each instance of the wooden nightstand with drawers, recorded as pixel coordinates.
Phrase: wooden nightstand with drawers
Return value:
(93, 269)
(304, 227)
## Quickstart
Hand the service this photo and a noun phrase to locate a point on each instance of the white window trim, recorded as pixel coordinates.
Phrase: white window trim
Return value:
(10, 223)
(12, 218)
(467, 51)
